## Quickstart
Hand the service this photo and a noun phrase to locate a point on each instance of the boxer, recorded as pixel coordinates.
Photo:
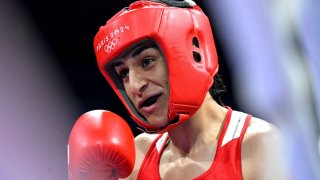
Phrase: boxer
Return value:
(160, 59)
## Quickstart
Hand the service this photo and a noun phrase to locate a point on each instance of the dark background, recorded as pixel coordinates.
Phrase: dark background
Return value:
(68, 28)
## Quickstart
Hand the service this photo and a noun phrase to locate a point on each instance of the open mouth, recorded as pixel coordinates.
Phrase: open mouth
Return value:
(151, 100)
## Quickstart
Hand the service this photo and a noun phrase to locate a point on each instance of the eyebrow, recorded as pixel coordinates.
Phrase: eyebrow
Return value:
(119, 63)
(141, 48)
(136, 49)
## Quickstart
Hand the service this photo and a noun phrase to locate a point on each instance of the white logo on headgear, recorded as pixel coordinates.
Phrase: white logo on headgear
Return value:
(112, 35)
(111, 45)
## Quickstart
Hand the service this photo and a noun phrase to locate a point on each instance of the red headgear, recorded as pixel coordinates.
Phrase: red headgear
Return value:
(185, 38)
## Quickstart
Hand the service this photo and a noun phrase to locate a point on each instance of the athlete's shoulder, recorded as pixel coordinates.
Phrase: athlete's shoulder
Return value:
(144, 140)
(142, 144)
(261, 133)
(258, 127)
(261, 151)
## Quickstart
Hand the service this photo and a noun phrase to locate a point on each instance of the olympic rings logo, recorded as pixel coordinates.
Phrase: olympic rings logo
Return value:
(111, 45)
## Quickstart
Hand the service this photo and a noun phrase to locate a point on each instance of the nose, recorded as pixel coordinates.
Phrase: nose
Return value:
(137, 82)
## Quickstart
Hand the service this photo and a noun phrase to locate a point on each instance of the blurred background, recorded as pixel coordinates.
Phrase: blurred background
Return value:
(268, 53)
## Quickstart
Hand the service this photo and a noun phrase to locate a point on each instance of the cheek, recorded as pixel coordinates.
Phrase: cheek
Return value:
(127, 90)
(162, 75)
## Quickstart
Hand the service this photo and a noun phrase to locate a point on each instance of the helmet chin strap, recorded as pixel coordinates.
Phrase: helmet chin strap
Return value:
(179, 119)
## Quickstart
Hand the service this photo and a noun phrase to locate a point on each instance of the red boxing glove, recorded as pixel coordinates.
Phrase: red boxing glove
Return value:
(101, 146)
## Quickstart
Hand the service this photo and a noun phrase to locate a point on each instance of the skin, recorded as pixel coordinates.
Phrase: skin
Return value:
(142, 71)
(193, 144)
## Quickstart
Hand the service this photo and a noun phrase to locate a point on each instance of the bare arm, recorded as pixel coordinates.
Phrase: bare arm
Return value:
(261, 152)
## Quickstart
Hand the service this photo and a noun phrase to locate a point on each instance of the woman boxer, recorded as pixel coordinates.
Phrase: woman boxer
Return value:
(160, 59)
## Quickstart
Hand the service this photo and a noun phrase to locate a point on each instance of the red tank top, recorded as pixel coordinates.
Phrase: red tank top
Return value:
(227, 160)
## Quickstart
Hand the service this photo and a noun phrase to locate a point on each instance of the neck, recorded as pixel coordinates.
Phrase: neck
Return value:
(200, 129)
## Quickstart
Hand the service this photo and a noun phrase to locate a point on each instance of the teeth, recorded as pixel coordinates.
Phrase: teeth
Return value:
(150, 101)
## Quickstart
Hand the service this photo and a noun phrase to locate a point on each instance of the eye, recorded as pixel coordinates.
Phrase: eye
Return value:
(123, 73)
(147, 61)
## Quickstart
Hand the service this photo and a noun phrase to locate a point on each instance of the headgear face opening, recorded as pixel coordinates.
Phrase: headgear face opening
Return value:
(185, 38)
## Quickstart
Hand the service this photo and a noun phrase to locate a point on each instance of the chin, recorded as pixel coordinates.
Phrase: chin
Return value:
(158, 122)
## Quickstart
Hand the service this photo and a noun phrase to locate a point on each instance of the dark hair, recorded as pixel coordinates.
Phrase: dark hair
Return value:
(176, 3)
(217, 89)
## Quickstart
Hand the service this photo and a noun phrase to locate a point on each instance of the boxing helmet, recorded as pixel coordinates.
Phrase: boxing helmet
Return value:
(185, 38)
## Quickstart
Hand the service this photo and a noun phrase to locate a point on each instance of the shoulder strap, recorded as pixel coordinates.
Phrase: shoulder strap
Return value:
(235, 126)
(229, 143)
(149, 168)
